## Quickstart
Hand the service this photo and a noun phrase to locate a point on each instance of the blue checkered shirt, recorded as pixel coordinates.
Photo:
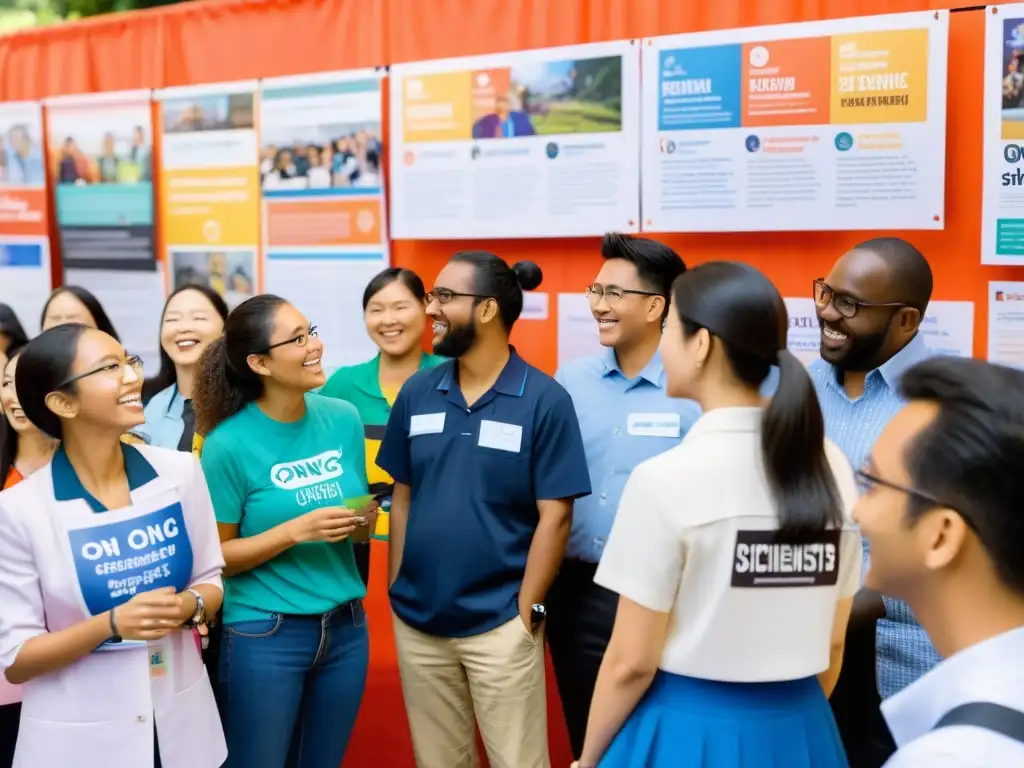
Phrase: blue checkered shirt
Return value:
(904, 651)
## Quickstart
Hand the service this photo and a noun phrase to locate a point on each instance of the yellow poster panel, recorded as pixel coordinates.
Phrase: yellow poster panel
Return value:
(880, 77)
(211, 206)
(437, 107)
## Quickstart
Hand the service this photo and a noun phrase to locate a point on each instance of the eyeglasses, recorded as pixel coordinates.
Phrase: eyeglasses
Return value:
(846, 306)
(300, 341)
(134, 362)
(866, 480)
(444, 295)
(596, 291)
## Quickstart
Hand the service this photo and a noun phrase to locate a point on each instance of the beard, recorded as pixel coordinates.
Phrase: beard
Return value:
(864, 352)
(457, 341)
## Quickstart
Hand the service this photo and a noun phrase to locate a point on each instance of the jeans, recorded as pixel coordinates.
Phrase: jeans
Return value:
(290, 687)
(10, 716)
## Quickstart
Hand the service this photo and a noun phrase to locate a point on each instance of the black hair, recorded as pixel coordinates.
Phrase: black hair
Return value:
(910, 275)
(970, 456)
(494, 278)
(382, 280)
(12, 328)
(167, 374)
(8, 435)
(743, 311)
(43, 365)
(91, 303)
(225, 383)
(656, 264)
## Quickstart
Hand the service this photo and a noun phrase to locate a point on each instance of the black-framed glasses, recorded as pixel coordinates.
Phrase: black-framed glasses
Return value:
(596, 291)
(444, 295)
(132, 361)
(866, 480)
(847, 306)
(300, 341)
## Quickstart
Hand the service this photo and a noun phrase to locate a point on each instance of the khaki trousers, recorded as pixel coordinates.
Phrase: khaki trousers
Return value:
(498, 677)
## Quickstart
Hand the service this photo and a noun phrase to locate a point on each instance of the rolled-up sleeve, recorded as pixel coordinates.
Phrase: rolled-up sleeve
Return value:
(22, 616)
(207, 556)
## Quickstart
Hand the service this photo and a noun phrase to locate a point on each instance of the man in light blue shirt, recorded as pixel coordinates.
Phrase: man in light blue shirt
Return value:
(870, 309)
(625, 417)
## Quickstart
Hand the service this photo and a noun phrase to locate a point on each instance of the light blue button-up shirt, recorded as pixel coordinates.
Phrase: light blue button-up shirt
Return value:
(624, 422)
(164, 422)
(904, 652)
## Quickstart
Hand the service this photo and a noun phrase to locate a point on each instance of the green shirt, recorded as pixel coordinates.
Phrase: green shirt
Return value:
(262, 473)
(360, 385)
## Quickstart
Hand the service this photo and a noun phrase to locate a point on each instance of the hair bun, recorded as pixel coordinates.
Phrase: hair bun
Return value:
(528, 275)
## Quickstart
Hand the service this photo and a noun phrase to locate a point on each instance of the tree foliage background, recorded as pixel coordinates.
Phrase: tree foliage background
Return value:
(19, 14)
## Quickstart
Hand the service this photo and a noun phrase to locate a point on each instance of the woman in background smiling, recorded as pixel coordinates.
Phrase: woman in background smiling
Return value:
(193, 316)
(394, 308)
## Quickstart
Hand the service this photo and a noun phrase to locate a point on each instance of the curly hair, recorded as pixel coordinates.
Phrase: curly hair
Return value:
(225, 383)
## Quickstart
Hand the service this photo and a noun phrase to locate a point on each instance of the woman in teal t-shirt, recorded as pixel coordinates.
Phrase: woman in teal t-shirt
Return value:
(287, 474)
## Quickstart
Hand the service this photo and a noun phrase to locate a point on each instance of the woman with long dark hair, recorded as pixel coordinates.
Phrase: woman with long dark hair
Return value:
(12, 333)
(74, 304)
(734, 555)
(110, 557)
(193, 316)
(287, 473)
(394, 309)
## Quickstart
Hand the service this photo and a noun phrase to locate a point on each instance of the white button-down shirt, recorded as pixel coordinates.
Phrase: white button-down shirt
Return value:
(991, 671)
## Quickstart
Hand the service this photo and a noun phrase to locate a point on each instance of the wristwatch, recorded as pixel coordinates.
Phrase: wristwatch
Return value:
(115, 633)
(199, 617)
(537, 614)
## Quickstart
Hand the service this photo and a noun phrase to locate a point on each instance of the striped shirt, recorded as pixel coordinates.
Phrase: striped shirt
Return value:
(904, 652)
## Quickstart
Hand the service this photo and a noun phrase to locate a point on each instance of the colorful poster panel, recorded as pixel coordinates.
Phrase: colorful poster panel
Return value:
(540, 143)
(101, 163)
(209, 182)
(24, 245)
(821, 126)
(324, 215)
(1006, 323)
(1002, 207)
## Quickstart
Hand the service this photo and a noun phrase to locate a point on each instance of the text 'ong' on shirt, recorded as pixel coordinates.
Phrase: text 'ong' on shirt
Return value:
(263, 473)
(695, 537)
(476, 474)
(623, 421)
(903, 650)
(360, 385)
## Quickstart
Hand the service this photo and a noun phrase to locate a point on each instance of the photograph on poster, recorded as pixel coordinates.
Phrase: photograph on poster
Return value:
(21, 153)
(210, 112)
(320, 156)
(549, 98)
(98, 154)
(1012, 79)
(229, 273)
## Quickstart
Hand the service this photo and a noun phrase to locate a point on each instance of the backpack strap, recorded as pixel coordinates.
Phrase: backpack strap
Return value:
(984, 714)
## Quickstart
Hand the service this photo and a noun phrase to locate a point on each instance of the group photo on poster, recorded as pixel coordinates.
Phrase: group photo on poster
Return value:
(231, 273)
(208, 112)
(109, 155)
(321, 156)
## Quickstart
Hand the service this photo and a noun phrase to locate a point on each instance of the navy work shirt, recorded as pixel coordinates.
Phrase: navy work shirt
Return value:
(476, 474)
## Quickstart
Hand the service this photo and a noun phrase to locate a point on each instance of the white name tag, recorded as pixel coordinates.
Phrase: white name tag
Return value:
(502, 436)
(653, 424)
(426, 424)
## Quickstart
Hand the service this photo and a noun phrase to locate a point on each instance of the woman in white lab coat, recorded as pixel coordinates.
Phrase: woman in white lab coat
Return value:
(110, 554)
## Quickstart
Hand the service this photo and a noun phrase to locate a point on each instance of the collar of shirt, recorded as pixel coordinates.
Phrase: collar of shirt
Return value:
(67, 486)
(973, 674)
(511, 380)
(736, 419)
(367, 375)
(891, 371)
(653, 372)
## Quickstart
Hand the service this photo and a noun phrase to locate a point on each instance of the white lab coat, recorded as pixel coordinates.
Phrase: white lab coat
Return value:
(98, 712)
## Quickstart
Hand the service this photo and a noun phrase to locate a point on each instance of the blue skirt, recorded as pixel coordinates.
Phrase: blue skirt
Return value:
(685, 722)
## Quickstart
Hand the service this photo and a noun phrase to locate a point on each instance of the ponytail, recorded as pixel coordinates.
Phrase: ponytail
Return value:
(219, 391)
(793, 445)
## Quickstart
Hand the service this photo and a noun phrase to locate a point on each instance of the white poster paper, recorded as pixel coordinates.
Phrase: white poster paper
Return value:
(541, 143)
(1006, 323)
(817, 126)
(1002, 186)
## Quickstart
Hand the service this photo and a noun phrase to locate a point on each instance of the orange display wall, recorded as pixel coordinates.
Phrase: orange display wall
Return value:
(240, 39)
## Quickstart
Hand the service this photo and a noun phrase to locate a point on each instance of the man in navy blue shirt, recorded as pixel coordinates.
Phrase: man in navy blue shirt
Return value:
(487, 458)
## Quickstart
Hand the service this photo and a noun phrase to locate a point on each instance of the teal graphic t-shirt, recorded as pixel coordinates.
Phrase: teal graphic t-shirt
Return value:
(262, 473)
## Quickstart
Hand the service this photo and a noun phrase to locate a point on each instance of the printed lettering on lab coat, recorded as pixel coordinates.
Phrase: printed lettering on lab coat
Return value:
(118, 554)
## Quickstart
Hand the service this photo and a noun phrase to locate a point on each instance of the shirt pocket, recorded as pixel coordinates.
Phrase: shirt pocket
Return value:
(505, 476)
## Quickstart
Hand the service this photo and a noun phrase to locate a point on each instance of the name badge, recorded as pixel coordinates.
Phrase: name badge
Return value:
(653, 424)
(761, 561)
(502, 436)
(426, 424)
